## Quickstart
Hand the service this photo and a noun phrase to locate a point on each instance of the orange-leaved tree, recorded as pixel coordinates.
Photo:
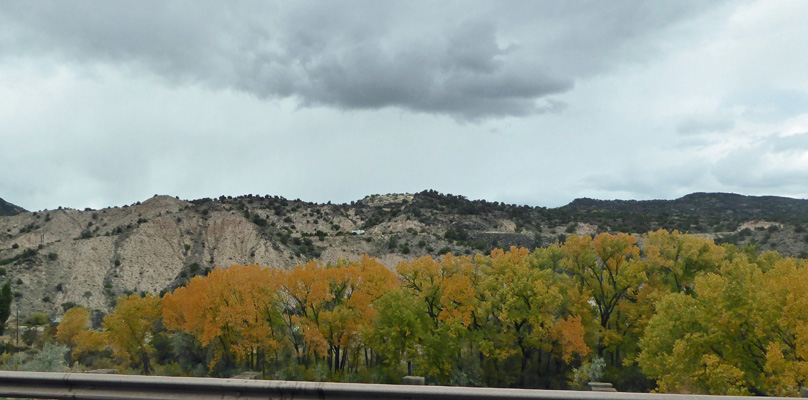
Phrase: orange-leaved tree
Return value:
(232, 309)
(329, 305)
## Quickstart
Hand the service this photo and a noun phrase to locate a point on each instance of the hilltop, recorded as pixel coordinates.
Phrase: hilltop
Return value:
(7, 209)
(61, 257)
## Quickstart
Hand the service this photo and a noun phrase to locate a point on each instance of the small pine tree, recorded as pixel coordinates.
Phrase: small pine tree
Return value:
(5, 305)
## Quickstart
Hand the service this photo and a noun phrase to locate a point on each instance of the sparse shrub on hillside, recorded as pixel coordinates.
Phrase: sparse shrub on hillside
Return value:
(37, 319)
(50, 359)
(458, 234)
(258, 220)
(68, 305)
(193, 268)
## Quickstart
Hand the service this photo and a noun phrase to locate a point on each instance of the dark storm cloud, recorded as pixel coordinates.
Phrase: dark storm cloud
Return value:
(470, 60)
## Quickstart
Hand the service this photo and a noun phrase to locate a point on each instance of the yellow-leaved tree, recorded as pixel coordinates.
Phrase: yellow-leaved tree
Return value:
(130, 328)
(523, 309)
(609, 269)
(73, 331)
(742, 332)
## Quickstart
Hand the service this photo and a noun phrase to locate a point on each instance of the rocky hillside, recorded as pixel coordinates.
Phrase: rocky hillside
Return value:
(57, 258)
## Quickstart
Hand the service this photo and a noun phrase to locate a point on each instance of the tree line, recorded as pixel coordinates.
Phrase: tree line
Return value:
(674, 313)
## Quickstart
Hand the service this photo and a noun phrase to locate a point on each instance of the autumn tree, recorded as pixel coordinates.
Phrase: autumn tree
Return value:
(608, 268)
(742, 332)
(523, 310)
(680, 258)
(444, 291)
(234, 310)
(73, 331)
(131, 327)
(331, 303)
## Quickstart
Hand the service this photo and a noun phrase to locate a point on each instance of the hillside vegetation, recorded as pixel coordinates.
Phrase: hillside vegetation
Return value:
(57, 258)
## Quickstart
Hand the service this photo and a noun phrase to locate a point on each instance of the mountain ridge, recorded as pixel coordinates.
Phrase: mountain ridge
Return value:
(66, 256)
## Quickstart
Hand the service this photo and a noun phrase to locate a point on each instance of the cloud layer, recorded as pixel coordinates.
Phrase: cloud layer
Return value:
(527, 102)
(492, 60)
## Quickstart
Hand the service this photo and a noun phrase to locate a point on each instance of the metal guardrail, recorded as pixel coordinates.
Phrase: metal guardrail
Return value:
(49, 385)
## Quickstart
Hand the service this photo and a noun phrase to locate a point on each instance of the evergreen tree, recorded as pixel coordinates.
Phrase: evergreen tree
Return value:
(5, 305)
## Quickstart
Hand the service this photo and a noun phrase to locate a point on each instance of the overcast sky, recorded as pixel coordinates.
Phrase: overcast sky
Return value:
(529, 102)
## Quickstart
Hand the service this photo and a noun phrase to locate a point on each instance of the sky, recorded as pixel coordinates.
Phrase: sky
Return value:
(527, 102)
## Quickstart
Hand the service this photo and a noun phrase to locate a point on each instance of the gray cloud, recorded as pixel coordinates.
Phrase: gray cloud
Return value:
(480, 60)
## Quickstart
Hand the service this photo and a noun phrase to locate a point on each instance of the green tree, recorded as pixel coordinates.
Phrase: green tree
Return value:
(397, 328)
(5, 305)
(444, 291)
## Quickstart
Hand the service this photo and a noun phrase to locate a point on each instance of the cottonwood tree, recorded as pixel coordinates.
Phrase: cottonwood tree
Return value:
(232, 311)
(130, 328)
(73, 331)
(609, 269)
(742, 332)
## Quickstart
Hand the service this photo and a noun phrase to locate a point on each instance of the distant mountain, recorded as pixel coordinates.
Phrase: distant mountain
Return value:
(57, 258)
(697, 212)
(7, 209)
